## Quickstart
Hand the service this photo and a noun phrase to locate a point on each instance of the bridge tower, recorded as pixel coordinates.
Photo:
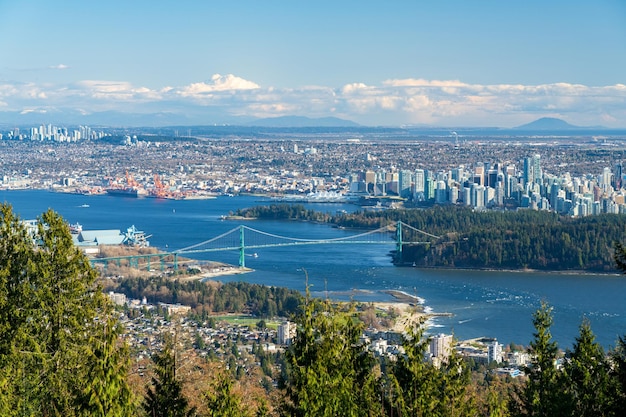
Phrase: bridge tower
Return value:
(242, 248)
(399, 242)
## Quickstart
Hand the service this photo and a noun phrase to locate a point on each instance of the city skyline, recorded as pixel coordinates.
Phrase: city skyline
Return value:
(406, 63)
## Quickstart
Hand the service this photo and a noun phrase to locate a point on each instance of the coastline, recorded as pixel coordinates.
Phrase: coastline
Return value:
(516, 271)
(216, 272)
(409, 315)
(413, 312)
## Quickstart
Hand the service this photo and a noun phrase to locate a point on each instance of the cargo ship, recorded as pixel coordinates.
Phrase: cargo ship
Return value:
(131, 189)
(123, 192)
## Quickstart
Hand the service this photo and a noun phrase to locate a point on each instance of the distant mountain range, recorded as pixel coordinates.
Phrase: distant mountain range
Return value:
(180, 117)
(215, 118)
(302, 121)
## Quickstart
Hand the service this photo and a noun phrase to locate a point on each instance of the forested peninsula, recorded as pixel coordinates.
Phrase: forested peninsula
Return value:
(515, 240)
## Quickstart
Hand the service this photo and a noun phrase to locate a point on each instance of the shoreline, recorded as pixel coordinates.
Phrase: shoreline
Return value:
(410, 315)
(219, 271)
(517, 271)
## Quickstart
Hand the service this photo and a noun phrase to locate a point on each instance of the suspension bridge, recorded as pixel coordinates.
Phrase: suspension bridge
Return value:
(243, 238)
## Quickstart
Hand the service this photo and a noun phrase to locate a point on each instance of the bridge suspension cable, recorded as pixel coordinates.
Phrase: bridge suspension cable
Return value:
(420, 231)
(295, 239)
(206, 242)
(237, 239)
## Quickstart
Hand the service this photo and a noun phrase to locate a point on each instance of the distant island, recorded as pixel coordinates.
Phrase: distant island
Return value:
(548, 123)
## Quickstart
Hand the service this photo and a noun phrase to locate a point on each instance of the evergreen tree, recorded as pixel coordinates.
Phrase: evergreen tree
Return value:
(618, 372)
(590, 389)
(17, 301)
(50, 313)
(65, 321)
(418, 387)
(413, 384)
(455, 379)
(107, 393)
(223, 402)
(618, 355)
(329, 372)
(16, 291)
(542, 394)
(620, 256)
(165, 397)
(497, 404)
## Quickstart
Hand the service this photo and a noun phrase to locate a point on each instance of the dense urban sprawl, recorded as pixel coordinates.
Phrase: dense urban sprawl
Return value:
(576, 176)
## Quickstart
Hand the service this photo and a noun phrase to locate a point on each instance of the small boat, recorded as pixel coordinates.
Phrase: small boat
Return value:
(84, 205)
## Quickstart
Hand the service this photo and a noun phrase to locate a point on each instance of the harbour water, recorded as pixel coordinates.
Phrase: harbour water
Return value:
(492, 304)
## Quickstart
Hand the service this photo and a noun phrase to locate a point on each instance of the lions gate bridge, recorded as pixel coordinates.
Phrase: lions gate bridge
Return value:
(243, 238)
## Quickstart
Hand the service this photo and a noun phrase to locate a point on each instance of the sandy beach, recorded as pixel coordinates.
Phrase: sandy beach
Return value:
(410, 310)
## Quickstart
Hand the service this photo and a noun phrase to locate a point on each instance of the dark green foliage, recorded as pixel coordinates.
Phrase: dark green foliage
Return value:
(543, 393)
(510, 240)
(589, 387)
(283, 212)
(620, 256)
(329, 372)
(618, 372)
(16, 276)
(106, 392)
(417, 387)
(491, 239)
(53, 337)
(486, 239)
(164, 397)
(223, 402)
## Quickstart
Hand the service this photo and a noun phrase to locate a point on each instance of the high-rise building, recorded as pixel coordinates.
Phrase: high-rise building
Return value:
(453, 194)
(605, 179)
(492, 178)
(405, 179)
(420, 180)
(478, 196)
(479, 174)
(458, 174)
(532, 170)
(467, 199)
(494, 352)
(537, 172)
(440, 346)
(284, 333)
(618, 177)
(441, 193)
(429, 186)
(499, 195)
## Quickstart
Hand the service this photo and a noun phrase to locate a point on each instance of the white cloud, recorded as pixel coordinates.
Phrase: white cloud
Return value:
(59, 67)
(40, 111)
(113, 90)
(394, 101)
(419, 82)
(354, 88)
(219, 83)
(455, 102)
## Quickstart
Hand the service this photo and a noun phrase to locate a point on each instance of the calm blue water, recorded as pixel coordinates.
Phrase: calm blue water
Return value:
(494, 304)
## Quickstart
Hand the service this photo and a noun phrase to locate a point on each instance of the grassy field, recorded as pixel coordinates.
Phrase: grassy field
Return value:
(243, 320)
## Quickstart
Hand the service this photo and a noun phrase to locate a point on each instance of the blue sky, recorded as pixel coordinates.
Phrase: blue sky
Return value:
(449, 62)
